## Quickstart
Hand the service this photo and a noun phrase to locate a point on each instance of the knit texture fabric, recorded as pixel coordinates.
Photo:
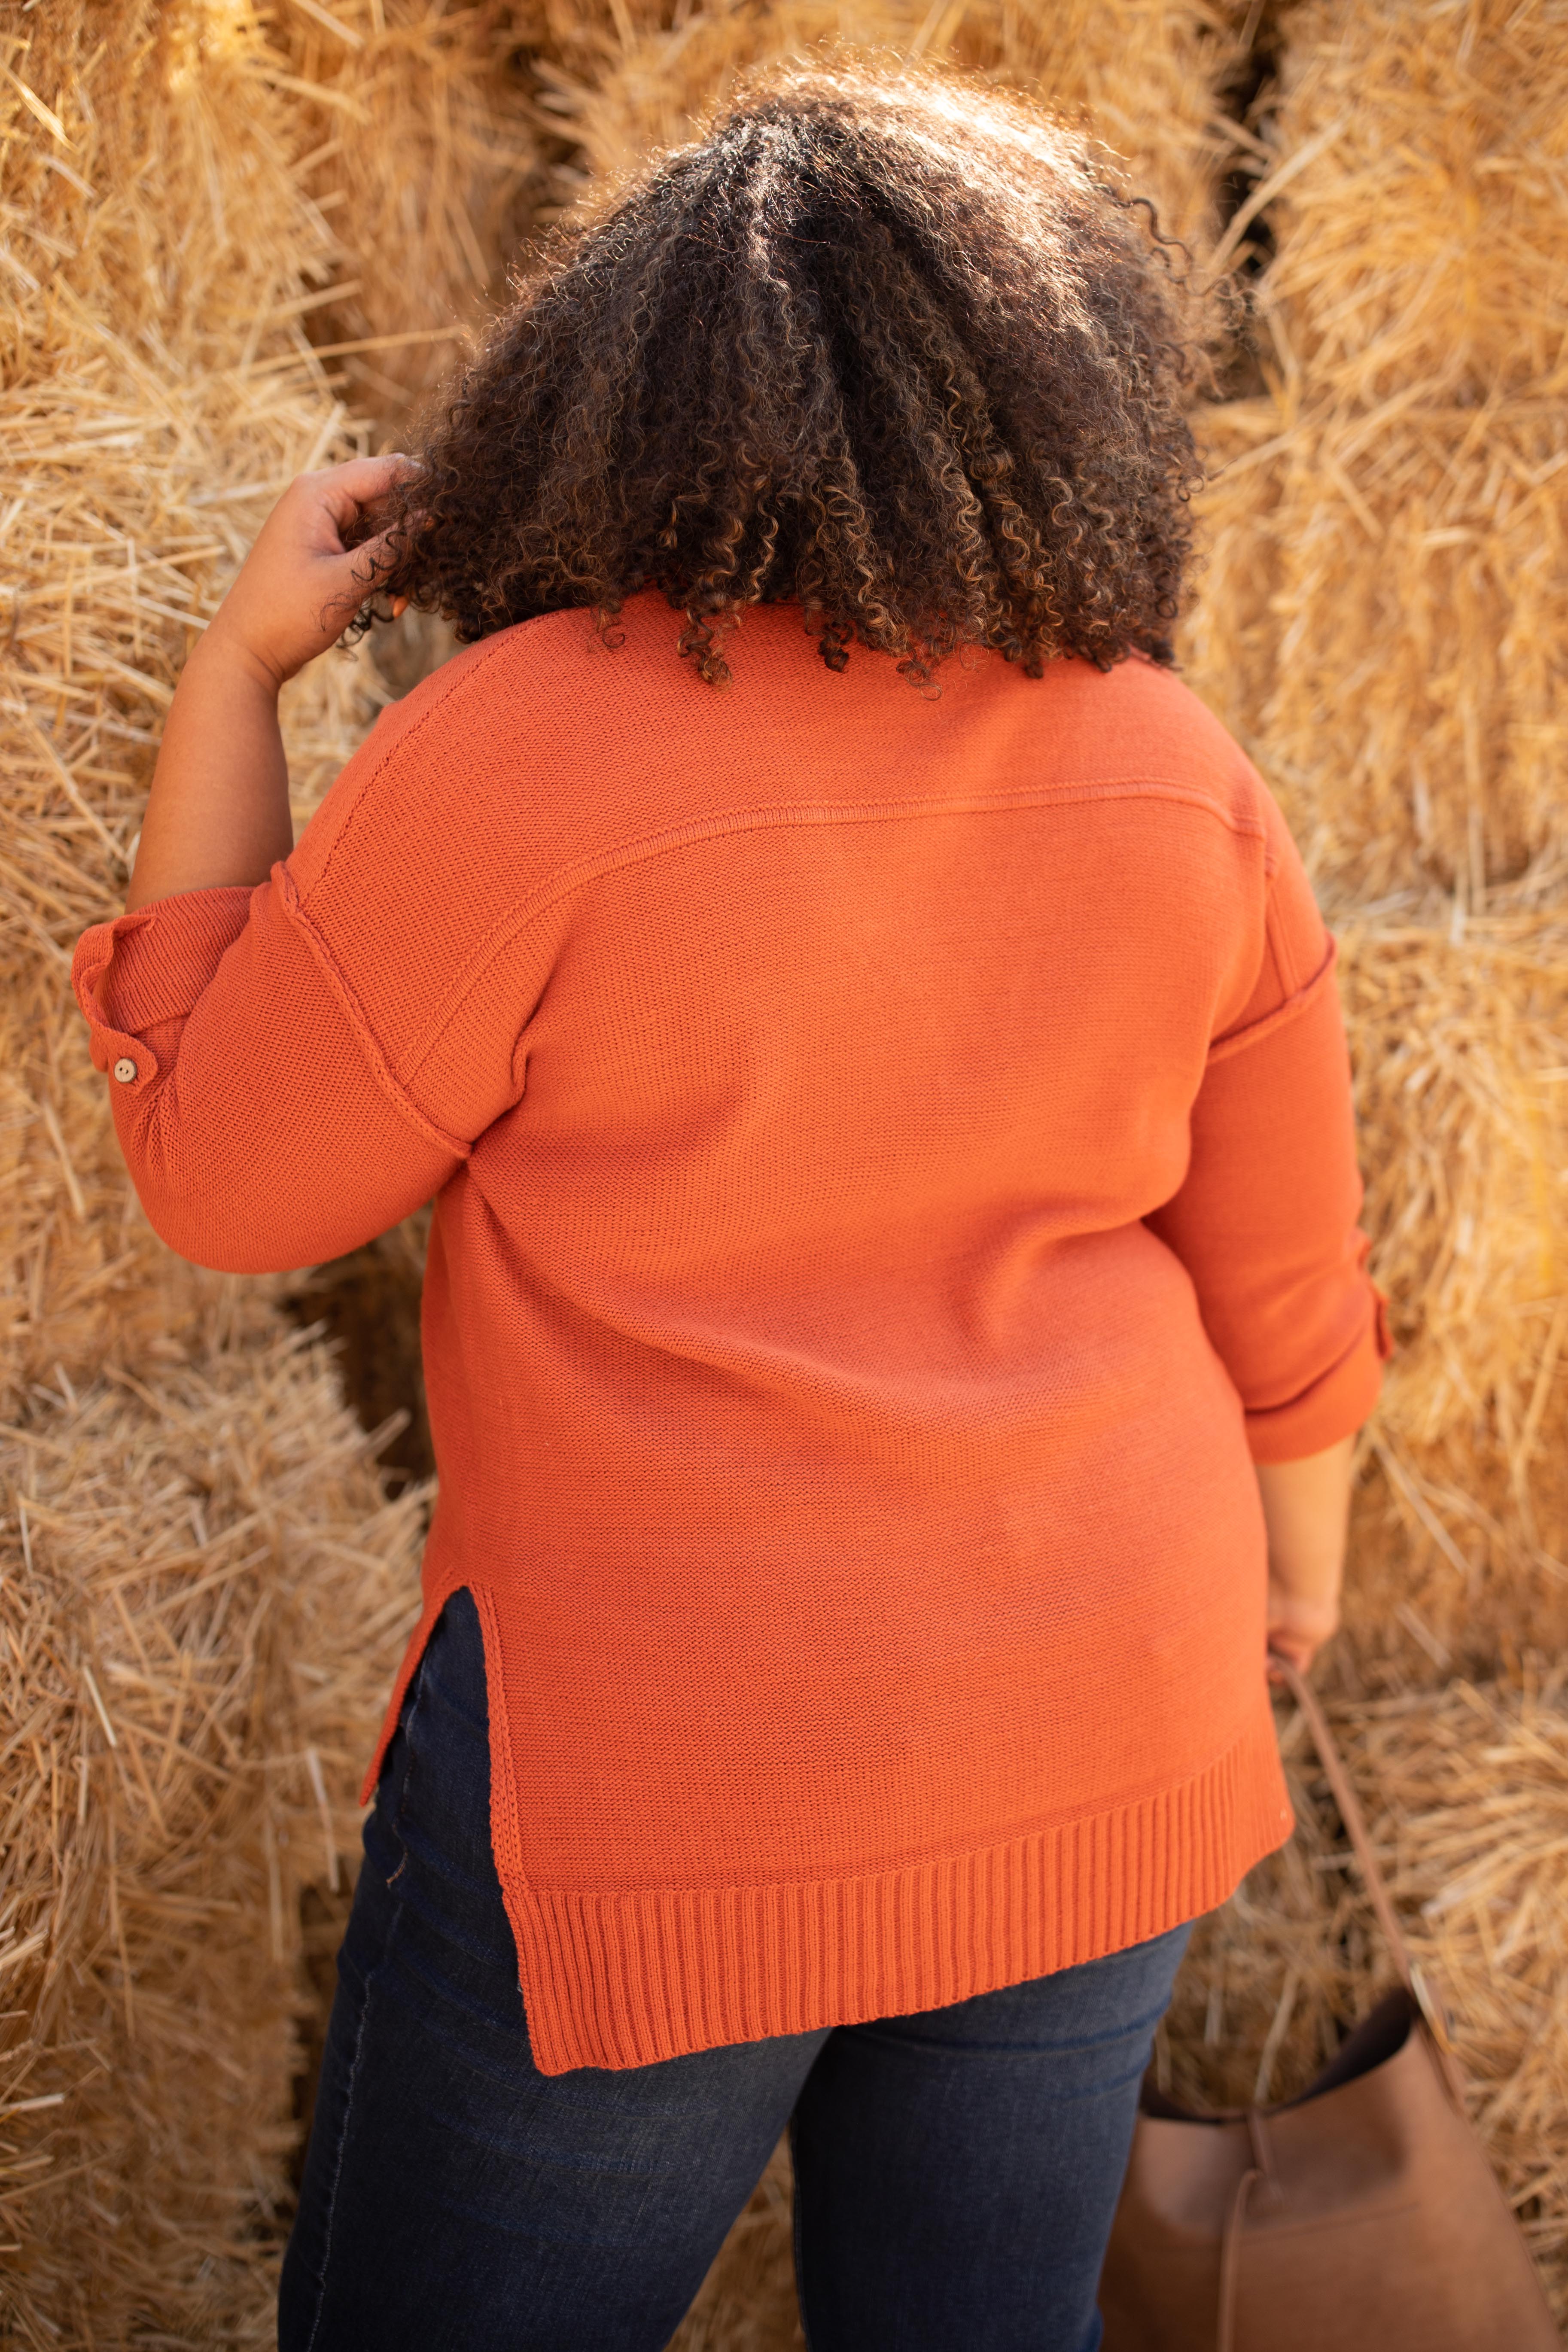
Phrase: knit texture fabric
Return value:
(894, 1175)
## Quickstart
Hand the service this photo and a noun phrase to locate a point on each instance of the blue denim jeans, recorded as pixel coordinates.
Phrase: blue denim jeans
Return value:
(955, 2171)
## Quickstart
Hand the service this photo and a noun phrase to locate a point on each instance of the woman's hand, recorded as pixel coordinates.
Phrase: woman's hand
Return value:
(1306, 1507)
(301, 585)
(1299, 1625)
(219, 812)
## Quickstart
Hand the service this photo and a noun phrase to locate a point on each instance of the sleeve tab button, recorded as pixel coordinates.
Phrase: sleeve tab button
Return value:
(125, 1069)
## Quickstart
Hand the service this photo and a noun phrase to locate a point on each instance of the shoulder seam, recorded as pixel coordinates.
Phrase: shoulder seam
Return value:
(369, 1044)
(564, 885)
(1275, 934)
(1236, 1041)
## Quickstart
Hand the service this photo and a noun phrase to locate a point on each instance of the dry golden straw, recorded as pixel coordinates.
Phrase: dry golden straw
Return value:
(1139, 74)
(1382, 624)
(204, 1595)
(159, 388)
(204, 1588)
(423, 159)
(204, 1584)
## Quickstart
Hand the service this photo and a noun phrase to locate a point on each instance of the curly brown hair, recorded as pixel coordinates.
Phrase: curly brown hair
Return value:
(890, 348)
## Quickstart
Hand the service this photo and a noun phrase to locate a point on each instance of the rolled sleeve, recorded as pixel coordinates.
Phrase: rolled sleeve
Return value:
(261, 1125)
(1336, 1404)
(136, 979)
(1266, 1221)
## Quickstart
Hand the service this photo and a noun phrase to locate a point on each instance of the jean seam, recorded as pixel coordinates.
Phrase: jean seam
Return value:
(394, 1828)
(417, 1693)
(331, 2216)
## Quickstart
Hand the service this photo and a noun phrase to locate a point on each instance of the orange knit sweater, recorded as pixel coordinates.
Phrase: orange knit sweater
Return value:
(894, 1173)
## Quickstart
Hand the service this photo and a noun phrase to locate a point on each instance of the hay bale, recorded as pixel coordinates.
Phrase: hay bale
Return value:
(204, 1590)
(1404, 469)
(189, 1510)
(160, 388)
(1461, 1555)
(1141, 74)
(426, 159)
(1386, 587)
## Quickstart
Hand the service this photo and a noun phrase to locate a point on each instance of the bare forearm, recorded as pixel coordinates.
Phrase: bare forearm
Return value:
(219, 811)
(1306, 1508)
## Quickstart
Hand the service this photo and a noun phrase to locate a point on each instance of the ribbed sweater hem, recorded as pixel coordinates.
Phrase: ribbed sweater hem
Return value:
(623, 1980)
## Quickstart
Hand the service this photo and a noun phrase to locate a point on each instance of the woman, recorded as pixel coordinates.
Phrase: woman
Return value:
(895, 1320)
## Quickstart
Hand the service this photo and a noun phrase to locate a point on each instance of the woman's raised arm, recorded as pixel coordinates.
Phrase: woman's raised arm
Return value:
(219, 811)
(256, 1101)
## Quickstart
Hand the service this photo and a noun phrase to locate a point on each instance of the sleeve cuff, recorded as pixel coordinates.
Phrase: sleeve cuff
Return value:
(147, 969)
(1335, 1406)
